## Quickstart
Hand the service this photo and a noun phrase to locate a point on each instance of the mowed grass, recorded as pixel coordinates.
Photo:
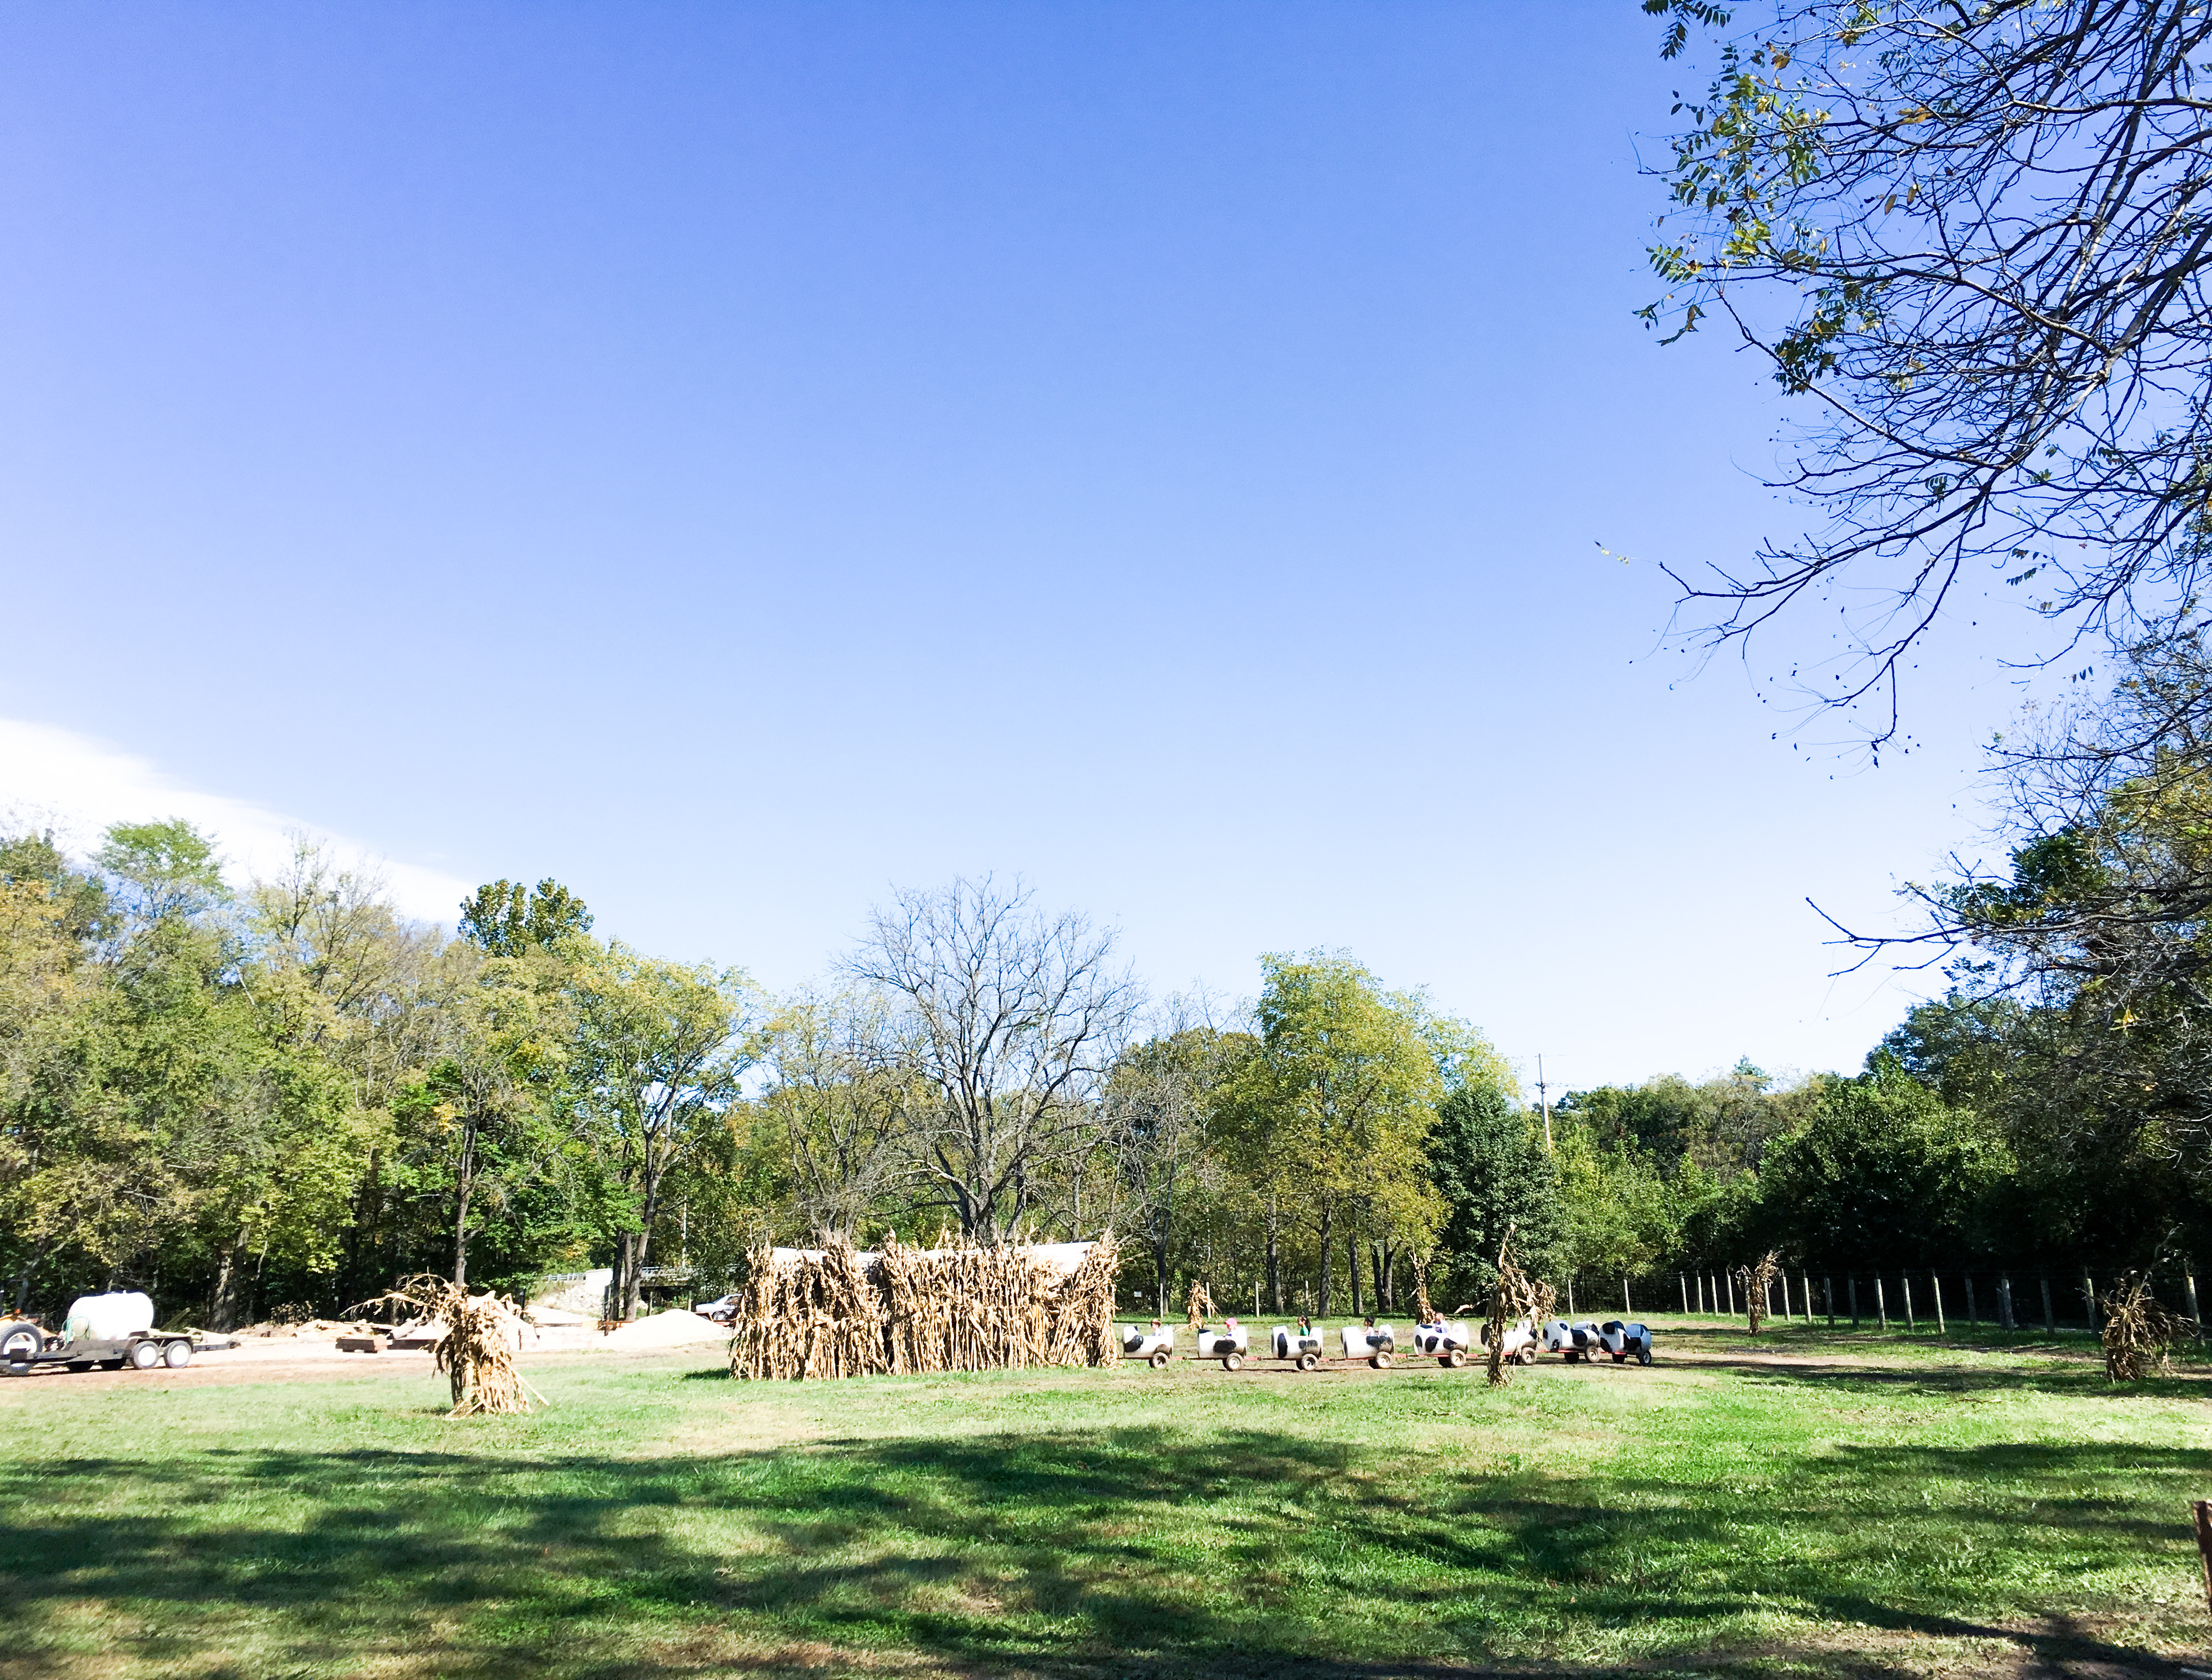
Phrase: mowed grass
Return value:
(1872, 1507)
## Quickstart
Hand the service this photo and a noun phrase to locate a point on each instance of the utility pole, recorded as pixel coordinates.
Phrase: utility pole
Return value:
(1544, 1098)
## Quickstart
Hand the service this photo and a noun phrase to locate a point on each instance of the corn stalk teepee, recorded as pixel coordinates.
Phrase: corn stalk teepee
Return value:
(1757, 1283)
(841, 1311)
(477, 1352)
(1515, 1296)
(2138, 1330)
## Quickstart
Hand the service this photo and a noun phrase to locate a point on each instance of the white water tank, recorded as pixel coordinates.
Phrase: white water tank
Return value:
(108, 1317)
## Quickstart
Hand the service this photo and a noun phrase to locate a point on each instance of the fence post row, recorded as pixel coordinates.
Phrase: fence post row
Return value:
(1828, 1293)
(2049, 1324)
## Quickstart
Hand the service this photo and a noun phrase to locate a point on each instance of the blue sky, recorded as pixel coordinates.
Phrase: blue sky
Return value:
(737, 459)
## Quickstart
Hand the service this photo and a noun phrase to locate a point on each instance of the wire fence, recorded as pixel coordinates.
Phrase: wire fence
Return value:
(2038, 1298)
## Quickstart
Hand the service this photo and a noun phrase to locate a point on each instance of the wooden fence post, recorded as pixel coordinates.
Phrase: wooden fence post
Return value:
(1880, 1306)
(2202, 1510)
(2189, 1282)
(1852, 1284)
(1972, 1317)
(1728, 1281)
(1626, 1311)
(1828, 1290)
(2007, 1318)
(2089, 1298)
(1571, 1295)
(1935, 1288)
(1904, 1279)
(1683, 1278)
(2049, 1323)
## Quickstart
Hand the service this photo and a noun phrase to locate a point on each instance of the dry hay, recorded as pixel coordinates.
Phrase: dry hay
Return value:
(840, 1312)
(1757, 1283)
(1516, 1297)
(1200, 1307)
(2138, 1330)
(477, 1349)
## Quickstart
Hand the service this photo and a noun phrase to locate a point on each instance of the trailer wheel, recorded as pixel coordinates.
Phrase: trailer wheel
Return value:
(21, 1345)
(1455, 1358)
(1643, 1356)
(1528, 1355)
(145, 1355)
(1308, 1360)
(177, 1354)
(1160, 1360)
(1380, 1361)
(1230, 1361)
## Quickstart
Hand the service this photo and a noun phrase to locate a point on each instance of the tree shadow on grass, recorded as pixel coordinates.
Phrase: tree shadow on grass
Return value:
(1135, 1552)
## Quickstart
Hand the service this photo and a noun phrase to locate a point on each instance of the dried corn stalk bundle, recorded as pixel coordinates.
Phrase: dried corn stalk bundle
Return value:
(1757, 1283)
(1516, 1297)
(1200, 1307)
(1082, 1310)
(2138, 1330)
(958, 1307)
(477, 1349)
(816, 1314)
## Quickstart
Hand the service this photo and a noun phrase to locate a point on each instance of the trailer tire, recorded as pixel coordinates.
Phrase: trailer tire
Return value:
(1643, 1356)
(1382, 1359)
(1455, 1359)
(1160, 1360)
(177, 1354)
(1230, 1361)
(1528, 1355)
(21, 1344)
(1308, 1360)
(145, 1355)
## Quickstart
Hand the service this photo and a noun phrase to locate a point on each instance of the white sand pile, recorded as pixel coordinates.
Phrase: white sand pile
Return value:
(673, 1329)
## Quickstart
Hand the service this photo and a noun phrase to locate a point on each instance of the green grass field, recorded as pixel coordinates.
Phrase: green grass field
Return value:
(1868, 1506)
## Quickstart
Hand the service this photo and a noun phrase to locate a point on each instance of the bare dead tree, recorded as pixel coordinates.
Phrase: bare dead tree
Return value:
(1977, 238)
(1015, 1018)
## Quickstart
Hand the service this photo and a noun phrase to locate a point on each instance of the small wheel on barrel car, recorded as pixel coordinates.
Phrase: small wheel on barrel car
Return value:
(145, 1355)
(177, 1356)
(1230, 1361)
(20, 1347)
(1455, 1358)
(1380, 1361)
(1308, 1360)
(1643, 1356)
(1528, 1355)
(1160, 1360)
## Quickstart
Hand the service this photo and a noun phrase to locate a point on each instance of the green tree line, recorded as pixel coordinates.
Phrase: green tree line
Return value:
(289, 1093)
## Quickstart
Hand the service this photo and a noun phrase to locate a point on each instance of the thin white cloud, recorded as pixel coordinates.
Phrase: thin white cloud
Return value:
(54, 779)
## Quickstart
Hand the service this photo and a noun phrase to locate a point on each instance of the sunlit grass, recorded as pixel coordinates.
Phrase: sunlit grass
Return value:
(1969, 1504)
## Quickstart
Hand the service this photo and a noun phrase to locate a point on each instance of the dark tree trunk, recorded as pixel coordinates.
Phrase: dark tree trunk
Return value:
(1274, 1258)
(1328, 1231)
